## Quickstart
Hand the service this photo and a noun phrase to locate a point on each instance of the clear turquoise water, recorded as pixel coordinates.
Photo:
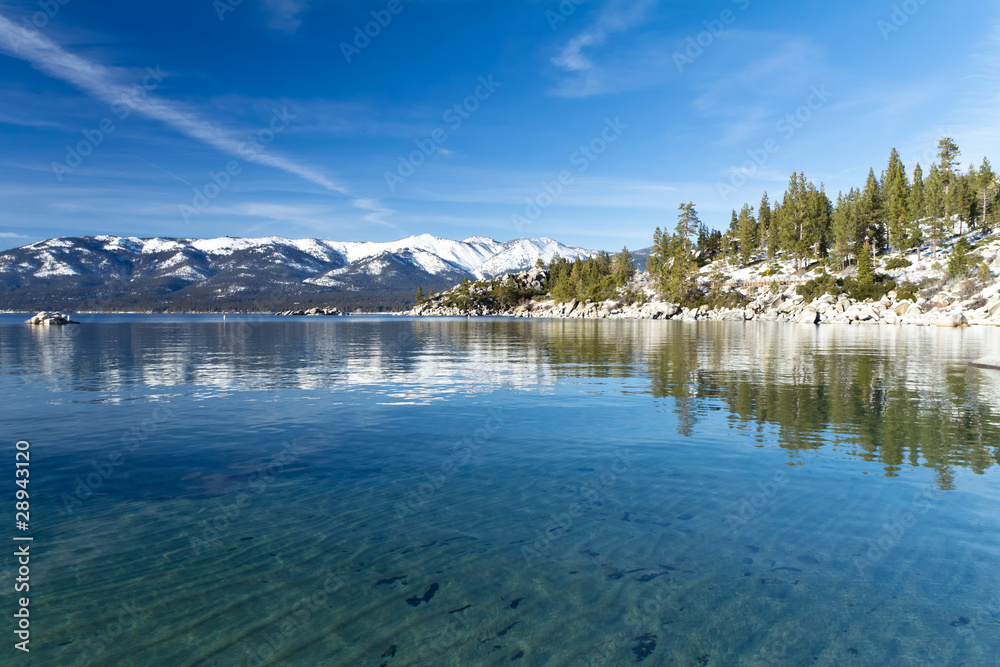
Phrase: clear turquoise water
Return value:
(368, 491)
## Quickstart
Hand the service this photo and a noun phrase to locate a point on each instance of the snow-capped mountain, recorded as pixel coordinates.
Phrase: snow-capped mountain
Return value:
(254, 273)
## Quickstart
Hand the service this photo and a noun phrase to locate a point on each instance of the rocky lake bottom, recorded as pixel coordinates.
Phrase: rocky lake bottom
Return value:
(402, 491)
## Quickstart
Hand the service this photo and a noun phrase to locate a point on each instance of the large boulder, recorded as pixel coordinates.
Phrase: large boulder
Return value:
(45, 318)
(664, 310)
(951, 320)
(808, 316)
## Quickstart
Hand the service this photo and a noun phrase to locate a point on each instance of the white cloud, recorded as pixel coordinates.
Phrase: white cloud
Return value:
(617, 16)
(586, 77)
(12, 235)
(378, 211)
(284, 14)
(103, 83)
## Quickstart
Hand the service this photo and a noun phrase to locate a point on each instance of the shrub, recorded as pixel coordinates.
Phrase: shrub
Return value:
(720, 300)
(906, 291)
(868, 291)
(898, 263)
(931, 286)
(959, 262)
(818, 286)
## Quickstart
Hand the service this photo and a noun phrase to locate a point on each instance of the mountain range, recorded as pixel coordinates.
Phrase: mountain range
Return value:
(252, 274)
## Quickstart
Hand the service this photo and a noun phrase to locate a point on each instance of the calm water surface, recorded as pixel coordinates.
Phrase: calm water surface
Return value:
(380, 491)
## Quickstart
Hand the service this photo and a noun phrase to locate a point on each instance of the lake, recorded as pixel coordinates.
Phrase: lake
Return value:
(393, 491)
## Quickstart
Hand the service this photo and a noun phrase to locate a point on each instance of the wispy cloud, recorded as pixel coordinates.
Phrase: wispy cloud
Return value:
(378, 211)
(12, 235)
(104, 84)
(586, 78)
(284, 14)
(617, 16)
(785, 67)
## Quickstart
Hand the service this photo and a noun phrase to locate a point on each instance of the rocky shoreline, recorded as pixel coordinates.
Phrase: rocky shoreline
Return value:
(312, 312)
(944, 309)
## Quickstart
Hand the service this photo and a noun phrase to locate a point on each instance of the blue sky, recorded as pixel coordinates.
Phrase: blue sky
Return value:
(587, 121)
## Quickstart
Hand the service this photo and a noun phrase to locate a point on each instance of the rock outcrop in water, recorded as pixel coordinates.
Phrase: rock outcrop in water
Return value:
(945, 309)
(326, 312)
(46, 318)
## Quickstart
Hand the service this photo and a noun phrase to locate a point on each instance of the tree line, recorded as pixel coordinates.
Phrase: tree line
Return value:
(892, 212)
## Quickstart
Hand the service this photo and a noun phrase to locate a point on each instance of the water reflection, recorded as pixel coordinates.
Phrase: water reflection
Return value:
(899, 396)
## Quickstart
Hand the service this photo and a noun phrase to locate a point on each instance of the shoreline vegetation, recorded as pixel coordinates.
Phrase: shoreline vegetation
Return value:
(893, 252)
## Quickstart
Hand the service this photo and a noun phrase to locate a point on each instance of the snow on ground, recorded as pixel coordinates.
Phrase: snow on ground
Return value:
(430, 262)
(151, 246)
(464, 255)
(763, 270)
(521, 254)
(188, 273)
(179, 258)
(54, 267)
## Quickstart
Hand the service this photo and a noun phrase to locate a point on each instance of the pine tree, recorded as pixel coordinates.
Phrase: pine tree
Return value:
(794, 219)
(896, 195)
(965, 201)
(818, 214)
(420, 296)
(916, 211)
(866, 271)
(935, 206)
(775, 235)
(764, 225)
(844, 227)
(623, 268)
(870, 213)
(687, 224)
(958, 260)
(987, 185)
(679, 282)
(746, 229)
(947, 165)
